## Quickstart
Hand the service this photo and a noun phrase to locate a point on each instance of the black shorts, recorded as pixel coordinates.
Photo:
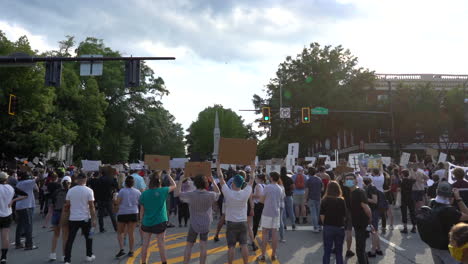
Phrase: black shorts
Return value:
(236, 232)
(5, 222)
(192, 236)
(127, 218)
(156, 229)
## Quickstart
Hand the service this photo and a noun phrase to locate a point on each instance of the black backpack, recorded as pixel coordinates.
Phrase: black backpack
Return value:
(430, 227)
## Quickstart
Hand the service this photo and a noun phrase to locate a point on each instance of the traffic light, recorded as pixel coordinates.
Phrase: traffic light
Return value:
(12, 105)
(53, 73)
(132, 73)
(266, 114)
(305, 114)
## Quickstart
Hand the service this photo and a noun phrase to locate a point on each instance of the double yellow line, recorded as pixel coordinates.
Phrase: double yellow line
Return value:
(154, 248)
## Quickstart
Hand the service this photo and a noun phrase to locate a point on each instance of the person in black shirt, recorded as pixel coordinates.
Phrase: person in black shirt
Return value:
(288, 200)
(373, 199)
(333, 214)
(104, 194)
(407, 202)
(360, 214)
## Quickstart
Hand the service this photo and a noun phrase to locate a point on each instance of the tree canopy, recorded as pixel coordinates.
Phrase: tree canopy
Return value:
(101, 117)
(200, 133)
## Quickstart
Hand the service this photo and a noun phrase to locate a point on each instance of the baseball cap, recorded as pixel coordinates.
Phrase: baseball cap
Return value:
(66, 178)
(444, 189)
(248, 169)
(3, 176)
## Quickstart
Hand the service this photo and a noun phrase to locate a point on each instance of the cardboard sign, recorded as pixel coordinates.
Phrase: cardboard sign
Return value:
(157, 162)
(293, 150)
(193, 169)
(374, 162)
(432, 152)
(404, 159)
(178, 163)
(343, 170)
(237, 151)
(90, 165)
(442, 157)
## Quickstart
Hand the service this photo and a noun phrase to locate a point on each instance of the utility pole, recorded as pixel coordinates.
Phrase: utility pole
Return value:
(392, 119)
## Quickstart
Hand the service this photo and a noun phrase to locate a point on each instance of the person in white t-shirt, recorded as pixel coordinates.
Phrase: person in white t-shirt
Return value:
(7, 193)
(236, 212)
(80, 202)
(440, 171)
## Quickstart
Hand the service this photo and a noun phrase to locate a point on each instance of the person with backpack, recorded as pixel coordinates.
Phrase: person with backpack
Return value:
(373, 198)
(299, 180)
(58, 201)
(434, 223)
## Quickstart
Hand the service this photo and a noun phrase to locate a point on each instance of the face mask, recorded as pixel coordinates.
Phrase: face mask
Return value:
(349, 183)
(457, 252)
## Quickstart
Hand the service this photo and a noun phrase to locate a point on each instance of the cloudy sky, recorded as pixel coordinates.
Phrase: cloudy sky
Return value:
(227, 50)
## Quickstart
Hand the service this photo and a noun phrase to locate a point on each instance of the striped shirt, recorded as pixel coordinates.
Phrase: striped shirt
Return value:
(200, 206)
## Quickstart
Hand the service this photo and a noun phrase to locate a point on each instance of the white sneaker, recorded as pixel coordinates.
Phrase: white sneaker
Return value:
(315, 230)
(53, 256)
(67, 263)
(90, 259)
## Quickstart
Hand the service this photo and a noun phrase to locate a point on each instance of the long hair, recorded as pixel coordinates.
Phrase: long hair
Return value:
(333, 190)
(155, 180)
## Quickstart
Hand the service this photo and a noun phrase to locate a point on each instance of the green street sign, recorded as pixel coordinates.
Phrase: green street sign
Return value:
(319, 111)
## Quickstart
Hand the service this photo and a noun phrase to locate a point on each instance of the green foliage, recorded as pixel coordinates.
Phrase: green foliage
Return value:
(200, 133)
(87, 112)
(318, 76)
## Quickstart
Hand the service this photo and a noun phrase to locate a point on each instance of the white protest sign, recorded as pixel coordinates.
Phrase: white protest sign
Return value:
(442, 157)
(386, 161)
(90, 165)
(178, 163)
(404, 159)
(256, 161)
(293, 150)
(311, 159)
(290, 162)
(136, 166)
(353, 160)
(327, 158)
(332, 164)
(451, 178)
(118, 167)
(271, 168)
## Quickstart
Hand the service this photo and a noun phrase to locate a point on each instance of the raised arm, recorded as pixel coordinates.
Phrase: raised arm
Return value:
(173, 183)
(220, 174)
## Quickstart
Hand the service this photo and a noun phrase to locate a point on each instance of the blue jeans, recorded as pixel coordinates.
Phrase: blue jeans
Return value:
(333, 236)
(289, 210)
(25, 226)
(281, 229)
(314, 207)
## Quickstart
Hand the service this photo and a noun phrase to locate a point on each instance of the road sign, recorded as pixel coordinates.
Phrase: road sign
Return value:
(91, 68)
(319, 111)
(285, 112)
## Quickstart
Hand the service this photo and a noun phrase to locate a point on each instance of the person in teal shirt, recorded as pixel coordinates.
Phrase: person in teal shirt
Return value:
(154, 214)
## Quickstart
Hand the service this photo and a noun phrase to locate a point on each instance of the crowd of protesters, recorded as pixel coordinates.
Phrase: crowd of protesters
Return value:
(245, 199)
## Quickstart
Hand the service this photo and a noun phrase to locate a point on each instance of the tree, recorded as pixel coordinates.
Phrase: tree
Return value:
(318, 76)
(200, 133)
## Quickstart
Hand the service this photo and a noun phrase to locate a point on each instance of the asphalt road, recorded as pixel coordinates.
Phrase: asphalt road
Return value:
(302, 246)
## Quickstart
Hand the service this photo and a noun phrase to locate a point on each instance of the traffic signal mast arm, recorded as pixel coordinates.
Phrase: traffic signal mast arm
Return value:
(13, 60)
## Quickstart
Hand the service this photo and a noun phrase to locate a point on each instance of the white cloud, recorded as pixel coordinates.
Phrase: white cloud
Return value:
(13, 32)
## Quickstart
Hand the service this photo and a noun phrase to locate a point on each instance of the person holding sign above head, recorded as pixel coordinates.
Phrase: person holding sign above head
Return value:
(236, 212)
(154, 214)
(200, 203)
